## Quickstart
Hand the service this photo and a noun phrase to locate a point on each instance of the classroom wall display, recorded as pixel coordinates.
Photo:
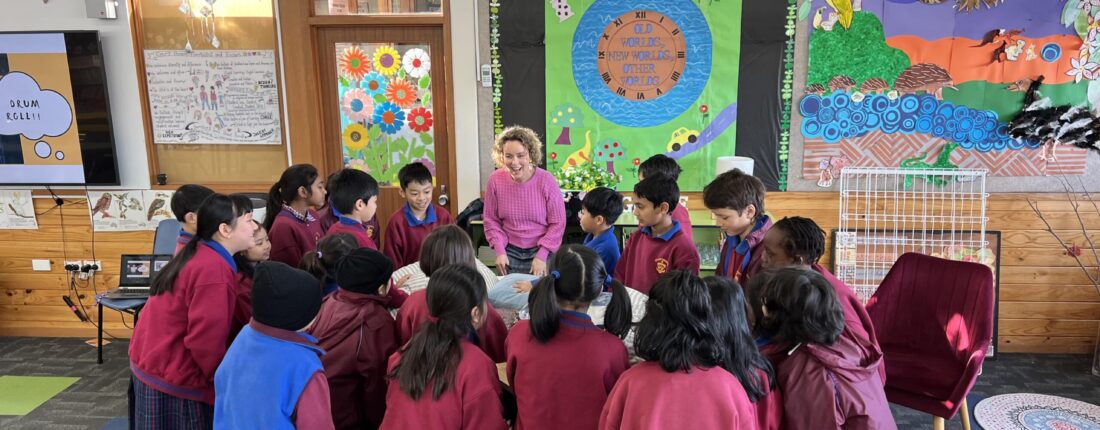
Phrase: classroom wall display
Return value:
(129, 210)
(213, 96)
(902, 83)
(385, 94)
(626, 80)
(17, 211)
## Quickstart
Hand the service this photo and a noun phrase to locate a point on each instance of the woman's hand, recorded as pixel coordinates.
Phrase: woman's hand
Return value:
(502, 264)
(523, 287)
(538, 267)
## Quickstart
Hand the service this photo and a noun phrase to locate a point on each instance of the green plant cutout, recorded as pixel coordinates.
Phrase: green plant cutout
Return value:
(860, 52)
(942, 162)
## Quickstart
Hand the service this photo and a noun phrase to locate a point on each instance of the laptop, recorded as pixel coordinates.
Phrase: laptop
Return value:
(136, 274)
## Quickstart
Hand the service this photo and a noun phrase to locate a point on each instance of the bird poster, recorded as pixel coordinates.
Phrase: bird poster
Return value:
(128, 210)
(936, 83)
(17, 211)
(628, 80)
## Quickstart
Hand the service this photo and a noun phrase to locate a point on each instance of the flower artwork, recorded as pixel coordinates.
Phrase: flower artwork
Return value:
(386, 116)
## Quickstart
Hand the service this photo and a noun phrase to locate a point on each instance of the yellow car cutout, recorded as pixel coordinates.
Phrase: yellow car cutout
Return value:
(682, 136)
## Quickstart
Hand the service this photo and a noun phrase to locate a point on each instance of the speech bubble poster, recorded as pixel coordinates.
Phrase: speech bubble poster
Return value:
(38, 133)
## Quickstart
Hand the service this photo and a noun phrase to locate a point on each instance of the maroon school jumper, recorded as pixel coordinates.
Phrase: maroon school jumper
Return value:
(833, 386)
(646, 257)
(329, 216)
(183, 334)
(405, 233)
(491, 335)
(647, 397)
(359, 335)
(471, 403)
(856, 318)
(563, 383)
(731, 261)
(182, 240)
(769, 409)
(291, 237)
(242, 310)
(354, 228)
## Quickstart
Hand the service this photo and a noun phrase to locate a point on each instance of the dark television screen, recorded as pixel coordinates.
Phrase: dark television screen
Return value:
(55, 118)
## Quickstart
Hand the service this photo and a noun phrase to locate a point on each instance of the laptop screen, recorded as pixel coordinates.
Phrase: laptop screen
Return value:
(139, 270)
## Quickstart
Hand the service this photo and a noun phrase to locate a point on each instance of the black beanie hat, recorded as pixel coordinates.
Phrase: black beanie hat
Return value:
(363, 271)
(284, 297)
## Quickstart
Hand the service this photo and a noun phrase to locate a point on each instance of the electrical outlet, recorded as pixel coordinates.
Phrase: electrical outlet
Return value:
(97, 264)
(73, 265)
(40, 265)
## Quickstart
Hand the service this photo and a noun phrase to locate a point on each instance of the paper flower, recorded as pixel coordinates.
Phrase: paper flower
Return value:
(374, 84)
(703, 109)
(358, 164)
(389, 117)
(401, 93)
(357, 105)
(355, 137)
(1082, 69)
(417, 63)
(386, 60)
(354, 63)
(420, 120)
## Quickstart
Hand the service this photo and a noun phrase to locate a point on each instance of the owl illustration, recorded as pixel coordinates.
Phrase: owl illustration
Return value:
(103, 205)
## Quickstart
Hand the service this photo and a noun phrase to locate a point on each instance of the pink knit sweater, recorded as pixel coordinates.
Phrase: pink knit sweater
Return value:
(524, 215)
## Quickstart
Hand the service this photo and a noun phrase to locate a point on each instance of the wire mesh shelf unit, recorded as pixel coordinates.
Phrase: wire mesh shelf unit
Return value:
(886, 212)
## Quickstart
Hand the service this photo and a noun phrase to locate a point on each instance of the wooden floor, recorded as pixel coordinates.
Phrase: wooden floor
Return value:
(1047, 303)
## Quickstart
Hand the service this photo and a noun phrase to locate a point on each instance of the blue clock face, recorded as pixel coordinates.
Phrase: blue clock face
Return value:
(641, 64)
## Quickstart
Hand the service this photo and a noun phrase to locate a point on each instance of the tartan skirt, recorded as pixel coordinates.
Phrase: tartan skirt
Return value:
(152, 409)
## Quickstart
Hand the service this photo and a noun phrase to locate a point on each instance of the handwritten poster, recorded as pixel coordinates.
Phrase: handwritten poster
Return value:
(17, 211)
(213, 97)
(129, 210)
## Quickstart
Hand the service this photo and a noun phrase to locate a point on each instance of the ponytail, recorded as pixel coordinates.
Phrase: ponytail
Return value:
(577, 276)
(321, 263)
(216, 210)
(285, 191)
(432, 356)
(542, 303)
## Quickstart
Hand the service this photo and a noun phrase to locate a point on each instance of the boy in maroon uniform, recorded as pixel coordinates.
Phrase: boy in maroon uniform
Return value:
(409, 225)
(659, 245)
(736, 200)
(355, 197)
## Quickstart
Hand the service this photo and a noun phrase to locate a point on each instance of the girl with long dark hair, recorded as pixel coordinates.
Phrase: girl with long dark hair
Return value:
(290, 221)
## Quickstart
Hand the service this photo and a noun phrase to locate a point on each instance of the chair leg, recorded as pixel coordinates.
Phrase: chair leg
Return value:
(937, 423)
(99, 337)
(965, 415)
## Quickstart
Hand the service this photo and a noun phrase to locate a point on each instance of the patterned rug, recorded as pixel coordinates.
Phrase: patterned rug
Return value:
(1036, 412)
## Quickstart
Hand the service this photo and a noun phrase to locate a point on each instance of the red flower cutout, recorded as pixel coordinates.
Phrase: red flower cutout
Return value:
(553, 155)
(637, 161)
(704, 108)
(420, 120)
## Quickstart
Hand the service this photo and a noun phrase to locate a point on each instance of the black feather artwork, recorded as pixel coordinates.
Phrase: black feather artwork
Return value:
(1054, 125)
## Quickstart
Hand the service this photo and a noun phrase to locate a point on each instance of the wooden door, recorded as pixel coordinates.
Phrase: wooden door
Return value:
(384, 104)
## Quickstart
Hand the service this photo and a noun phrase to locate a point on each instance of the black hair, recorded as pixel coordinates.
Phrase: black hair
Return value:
(660, 165)
(731, 319)
(218, 209)
(735, 190)
(676, 330)
(659, 190)
(244, 267)
(802, 307)
(349, 186)
(605, 202)
(285, 191)
(187, 199)
(413, 172)
(431, 357)
(444, 246)
(581, 279)
(321, 263)
(802, 238)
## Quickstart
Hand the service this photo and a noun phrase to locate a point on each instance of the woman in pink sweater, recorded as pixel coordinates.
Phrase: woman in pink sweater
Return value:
(524, 211)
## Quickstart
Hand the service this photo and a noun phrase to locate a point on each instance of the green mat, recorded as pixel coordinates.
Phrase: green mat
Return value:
(19, 395)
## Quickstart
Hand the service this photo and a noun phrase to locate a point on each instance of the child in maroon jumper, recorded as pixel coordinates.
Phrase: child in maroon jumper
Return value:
(409, 225)
(359, 335)
(322, 262)
(185, 205)
(663, 165)
(736, 201)
(246, 266)
(445, 246)
(440, 380)
(328, 215)
(178, 345)
(682, 379)
(561, 344)
(290, 220)
(815, 358)
(355, 197)
(742, 358)
(659, 246)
